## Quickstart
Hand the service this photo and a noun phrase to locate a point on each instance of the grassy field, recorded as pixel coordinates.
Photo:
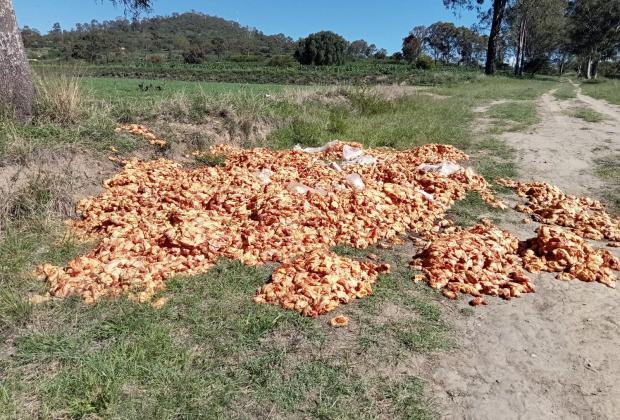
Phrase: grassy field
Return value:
(587, 114)
(210, 351)
(608, 90)
(363, 72)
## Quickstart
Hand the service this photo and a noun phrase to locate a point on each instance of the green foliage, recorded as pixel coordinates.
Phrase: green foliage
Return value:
(321, 49)
(281, 61)
(195, 55)
(424, 62)
(363, 72)
(209, 159)
(123, 40)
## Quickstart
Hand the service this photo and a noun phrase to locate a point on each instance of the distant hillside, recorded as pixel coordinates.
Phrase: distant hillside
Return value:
(121, 39)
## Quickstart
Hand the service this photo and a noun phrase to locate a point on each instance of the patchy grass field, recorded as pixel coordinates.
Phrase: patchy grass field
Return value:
(587, 114)
(211, 349)
(608, 90)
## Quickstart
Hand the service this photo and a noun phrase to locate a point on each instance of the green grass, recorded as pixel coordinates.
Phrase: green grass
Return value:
(565, 91)
(111, 88)
(513, 116)
(498, 87)
(357, 73)
(608, 90)
(587, 114)
(608, 169)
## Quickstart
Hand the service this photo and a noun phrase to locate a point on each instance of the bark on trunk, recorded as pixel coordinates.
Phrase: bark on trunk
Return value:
(519, 62)
(522, 57)
(589, 69)
(595, 69)
(16, 89)
(498, 15)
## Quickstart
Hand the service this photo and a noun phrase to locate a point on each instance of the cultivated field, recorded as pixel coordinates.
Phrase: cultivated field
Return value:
(210, 351)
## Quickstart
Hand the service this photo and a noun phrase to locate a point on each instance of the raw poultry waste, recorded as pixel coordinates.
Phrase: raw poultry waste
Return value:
(142, 131)
(157, 219)
(481, 260)
(583, 215)
(557, 250)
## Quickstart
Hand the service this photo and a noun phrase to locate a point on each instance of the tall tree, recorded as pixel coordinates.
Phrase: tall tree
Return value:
(537, 31)
(594, 27)
(15, 78)
(498, 9)
(442, 40)
(413, 44)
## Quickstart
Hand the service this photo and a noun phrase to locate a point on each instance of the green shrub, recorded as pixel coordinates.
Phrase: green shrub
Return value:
(424, 62)
(281, 61)
(322, 49)
(195, 55)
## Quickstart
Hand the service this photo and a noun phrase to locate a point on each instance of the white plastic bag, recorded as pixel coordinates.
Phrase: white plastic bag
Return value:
(355, 181)
(426, 195)
(443, 168)
(323, 148)
(264, 176)
(350, 153)
(365, 160)
(299, 188)
(335, 167)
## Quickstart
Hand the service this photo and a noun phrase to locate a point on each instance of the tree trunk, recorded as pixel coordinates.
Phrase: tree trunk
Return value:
(498, 15)
(522, 56)
(589, 69)
(16, 89)
(519, 62)
(595, 69)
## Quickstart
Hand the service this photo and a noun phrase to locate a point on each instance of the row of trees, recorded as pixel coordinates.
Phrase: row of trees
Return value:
(446, 43)
(193, 35)
(538, 33)
(535, 33)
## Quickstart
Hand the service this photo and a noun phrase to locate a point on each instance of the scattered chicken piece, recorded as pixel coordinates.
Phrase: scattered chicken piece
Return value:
(339, 321)
(561, 251)
(316, 284)
(140, 130)
(549, 205)
(481, 260)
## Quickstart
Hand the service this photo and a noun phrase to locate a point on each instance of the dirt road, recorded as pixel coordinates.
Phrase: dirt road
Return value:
(553, 354)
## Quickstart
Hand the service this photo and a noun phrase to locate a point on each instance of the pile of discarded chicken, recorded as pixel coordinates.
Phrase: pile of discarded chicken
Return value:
(481, 260)
(561, 251)
(157, 219)
(142, 131)
(548, 204)
(316, 284)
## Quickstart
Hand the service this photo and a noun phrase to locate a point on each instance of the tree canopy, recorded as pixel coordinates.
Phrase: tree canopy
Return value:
(321, 48)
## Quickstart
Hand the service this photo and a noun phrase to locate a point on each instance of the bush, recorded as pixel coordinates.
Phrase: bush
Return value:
(424, 62)
(195, 55)
(155, 59)
(321, 48)
(539, 64)
(281, 61)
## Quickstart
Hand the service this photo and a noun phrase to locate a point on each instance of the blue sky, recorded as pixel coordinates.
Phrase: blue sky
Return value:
(384, 23)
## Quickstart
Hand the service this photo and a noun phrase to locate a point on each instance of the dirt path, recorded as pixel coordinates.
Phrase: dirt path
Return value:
(553, 354)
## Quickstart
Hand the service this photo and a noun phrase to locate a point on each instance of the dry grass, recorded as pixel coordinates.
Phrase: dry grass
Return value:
(59, 99)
